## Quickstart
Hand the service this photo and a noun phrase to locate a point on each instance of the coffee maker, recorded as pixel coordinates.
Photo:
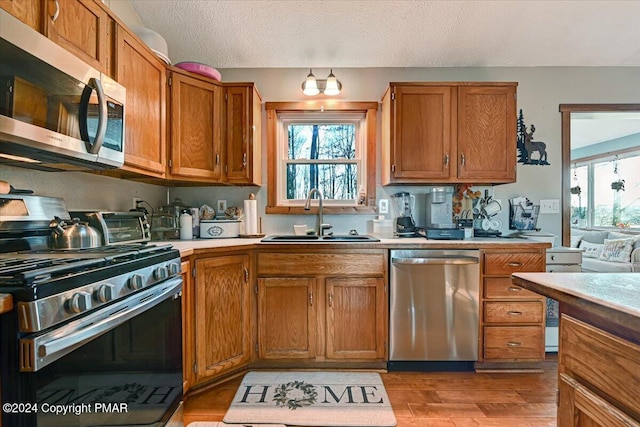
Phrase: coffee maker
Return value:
(439, 221)
(404, 205)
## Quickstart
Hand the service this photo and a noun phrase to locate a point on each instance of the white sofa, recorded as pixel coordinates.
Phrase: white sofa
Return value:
(593, 262)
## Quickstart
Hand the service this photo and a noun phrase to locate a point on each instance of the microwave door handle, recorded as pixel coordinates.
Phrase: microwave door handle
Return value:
(93, 147)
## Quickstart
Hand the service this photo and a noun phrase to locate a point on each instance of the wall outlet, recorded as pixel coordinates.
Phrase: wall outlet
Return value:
(383, 206)
(549, 206)
(221, 206)
(135, 202)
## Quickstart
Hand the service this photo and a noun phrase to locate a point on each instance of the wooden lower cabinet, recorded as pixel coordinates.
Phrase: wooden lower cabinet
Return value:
(323, 306)
(599, 377)
(222, 315)
(512, 318)
(188, 335)
(356, 313)
(286, 317)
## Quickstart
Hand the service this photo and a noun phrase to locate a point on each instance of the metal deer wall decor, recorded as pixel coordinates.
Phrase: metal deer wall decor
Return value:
(530, 152)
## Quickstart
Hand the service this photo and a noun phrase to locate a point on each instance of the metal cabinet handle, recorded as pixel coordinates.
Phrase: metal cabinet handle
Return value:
(217, 159)
(57, 12)
(514, 343)
(514, 264)
(463, 159)
(244, 161)
(514, 313)
(446, 159)
(246, 275)
(311, 298)
(514, 289)
(330, 300)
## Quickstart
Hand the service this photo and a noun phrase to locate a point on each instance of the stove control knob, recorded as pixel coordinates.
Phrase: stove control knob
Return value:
(104, 293)
(161, 273)
(79, 302)
(174, 269)
(136, 282)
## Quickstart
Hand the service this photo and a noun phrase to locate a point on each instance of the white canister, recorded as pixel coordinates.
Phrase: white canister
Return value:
(219, 229)
(186, 226)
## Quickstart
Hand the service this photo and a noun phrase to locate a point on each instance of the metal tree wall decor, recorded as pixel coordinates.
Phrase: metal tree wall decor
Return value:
(527, 147)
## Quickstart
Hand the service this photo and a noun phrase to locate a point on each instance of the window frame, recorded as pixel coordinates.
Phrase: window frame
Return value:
(275, 113)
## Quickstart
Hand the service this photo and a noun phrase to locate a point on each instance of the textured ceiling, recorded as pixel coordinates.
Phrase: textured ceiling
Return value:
(395, 33)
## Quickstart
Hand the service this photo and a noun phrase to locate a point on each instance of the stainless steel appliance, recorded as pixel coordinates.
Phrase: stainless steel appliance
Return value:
(440, 208)
(434, 306)
(56, 112)
(404, 205)
(118, 228)
(91, 329)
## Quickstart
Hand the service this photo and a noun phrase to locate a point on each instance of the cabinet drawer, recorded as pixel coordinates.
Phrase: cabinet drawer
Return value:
(513, 312)
(514, 343)
(505, 264)
(564, 257)
(563, 268)
(606, 362)
(501, 287)
(310, 264)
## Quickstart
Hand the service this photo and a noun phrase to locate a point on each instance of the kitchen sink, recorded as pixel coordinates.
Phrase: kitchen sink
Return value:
(314, 239)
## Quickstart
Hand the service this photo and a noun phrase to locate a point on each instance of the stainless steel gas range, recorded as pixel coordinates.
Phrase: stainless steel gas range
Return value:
(95, 336)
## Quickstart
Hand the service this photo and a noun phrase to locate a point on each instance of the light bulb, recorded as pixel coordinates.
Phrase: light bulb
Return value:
(333, 85)
(310, 86)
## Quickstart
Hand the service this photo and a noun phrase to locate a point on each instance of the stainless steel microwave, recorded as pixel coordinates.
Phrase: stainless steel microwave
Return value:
(56, 111)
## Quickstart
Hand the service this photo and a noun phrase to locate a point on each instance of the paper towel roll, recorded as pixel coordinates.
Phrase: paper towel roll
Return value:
(250, 217)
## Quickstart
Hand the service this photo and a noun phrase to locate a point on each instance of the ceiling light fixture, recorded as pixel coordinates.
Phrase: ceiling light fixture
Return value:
(312, 86)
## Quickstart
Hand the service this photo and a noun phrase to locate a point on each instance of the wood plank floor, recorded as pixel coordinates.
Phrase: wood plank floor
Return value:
(456, 399)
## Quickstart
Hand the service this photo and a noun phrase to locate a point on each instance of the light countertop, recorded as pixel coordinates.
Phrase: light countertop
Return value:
(189, 247)
(614, 296)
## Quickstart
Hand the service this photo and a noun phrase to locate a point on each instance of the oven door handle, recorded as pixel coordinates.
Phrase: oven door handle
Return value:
(50, 349)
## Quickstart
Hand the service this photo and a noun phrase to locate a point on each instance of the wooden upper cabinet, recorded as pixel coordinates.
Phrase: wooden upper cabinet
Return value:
(487, 133)
(422, 133)
(449, 132)
(196, 114)
(144, 76)
(83, 28)
(243, 124)
(28, 11)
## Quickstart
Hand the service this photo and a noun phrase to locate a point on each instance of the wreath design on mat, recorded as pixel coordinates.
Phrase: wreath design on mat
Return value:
(288, 395)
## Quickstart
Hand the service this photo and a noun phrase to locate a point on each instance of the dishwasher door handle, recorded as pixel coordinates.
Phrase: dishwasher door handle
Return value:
(458, 260)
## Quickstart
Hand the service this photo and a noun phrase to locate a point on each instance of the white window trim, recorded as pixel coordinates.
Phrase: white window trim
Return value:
(333, 117)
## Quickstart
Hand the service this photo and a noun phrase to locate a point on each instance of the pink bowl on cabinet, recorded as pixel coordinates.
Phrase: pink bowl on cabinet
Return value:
(202, 69)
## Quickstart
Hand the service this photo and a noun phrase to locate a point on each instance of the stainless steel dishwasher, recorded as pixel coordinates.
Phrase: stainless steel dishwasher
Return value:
(434, 305)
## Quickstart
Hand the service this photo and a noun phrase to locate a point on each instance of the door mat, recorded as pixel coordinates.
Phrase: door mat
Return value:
(221, 424)
(328, 399)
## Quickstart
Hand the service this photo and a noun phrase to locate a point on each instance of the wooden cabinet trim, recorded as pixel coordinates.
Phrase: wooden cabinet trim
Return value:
(283, 264)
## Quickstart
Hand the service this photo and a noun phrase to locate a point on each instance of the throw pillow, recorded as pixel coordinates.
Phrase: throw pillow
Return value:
(591, 250)
(618, 250)
(575, 241)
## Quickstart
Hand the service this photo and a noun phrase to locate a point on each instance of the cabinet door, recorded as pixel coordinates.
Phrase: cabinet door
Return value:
(188, 330)
(196, 122)
(144, 76)
(487, 133)
(81, 27)
(356, 327)
(581, 407)
(422, 126)
(223, 330)
(287, 318)
(243, 135)
(28, 11)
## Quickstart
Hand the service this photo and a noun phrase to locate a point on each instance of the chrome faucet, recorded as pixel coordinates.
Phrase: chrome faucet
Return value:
(320, 225)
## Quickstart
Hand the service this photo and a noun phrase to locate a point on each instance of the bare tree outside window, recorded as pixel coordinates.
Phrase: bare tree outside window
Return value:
(322, 156)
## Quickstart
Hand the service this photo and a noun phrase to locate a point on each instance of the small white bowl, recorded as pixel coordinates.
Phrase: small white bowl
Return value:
(155, 41)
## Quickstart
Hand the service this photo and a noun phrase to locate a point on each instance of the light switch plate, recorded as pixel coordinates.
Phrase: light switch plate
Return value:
(383, 206)
(549, 206)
